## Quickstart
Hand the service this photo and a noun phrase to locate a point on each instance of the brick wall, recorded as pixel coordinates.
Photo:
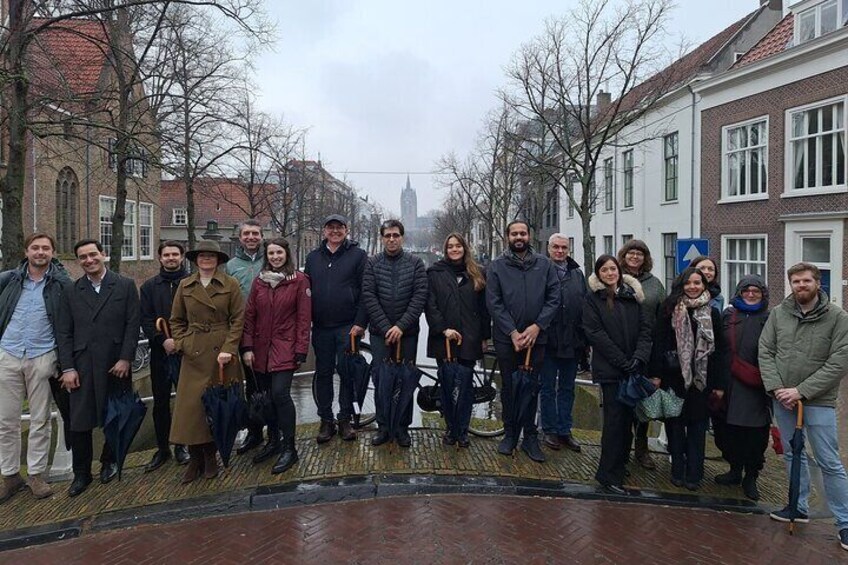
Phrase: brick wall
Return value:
(761, 216)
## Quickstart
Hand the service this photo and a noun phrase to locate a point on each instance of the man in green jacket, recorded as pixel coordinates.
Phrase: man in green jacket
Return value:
(803, 357)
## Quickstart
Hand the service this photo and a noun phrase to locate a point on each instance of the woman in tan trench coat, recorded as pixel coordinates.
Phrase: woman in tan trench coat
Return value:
(206, 323)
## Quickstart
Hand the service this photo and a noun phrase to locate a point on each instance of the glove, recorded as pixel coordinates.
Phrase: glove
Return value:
(301, 358)
(634, 367)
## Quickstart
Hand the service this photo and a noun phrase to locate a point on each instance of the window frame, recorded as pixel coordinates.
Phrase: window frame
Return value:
(608, 184)
(668, 280)
(627, 181)
(150, 226)
(725, 196)
(789, 189)
(815, 9)
(669, 161)
(107, 243)
(174, 221)
(725, 261)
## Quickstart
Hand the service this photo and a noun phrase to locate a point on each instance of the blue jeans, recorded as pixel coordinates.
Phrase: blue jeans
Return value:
(557, 394)
(329, 345)
(820, 435)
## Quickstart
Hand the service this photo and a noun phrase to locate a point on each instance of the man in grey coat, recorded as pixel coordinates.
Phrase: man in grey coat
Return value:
(803, 357)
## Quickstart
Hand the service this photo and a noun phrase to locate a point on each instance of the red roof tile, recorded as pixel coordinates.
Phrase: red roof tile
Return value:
(774, 42)
(221, 199)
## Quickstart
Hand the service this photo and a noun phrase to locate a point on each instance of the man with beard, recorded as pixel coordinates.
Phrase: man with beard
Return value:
(157, 297)
(336, 269)
(97, 342)
(803, 357)
(30, 308)
(523, 294)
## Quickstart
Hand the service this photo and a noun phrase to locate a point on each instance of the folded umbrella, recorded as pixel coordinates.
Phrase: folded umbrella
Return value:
(524, 389)
(260, 407)
(124, 413)
(395, 381)
(354, 370)
(171, 363)
(797, 444)
(452, 375)
(634, 389)
(63, 402)
(225, 413)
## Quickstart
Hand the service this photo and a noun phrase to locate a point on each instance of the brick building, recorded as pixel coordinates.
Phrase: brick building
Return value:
(772, 150)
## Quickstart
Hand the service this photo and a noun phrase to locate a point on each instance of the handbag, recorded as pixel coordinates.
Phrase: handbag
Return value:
(740, 369)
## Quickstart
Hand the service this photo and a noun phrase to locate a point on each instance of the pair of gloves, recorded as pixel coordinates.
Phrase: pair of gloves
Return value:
(634, 367)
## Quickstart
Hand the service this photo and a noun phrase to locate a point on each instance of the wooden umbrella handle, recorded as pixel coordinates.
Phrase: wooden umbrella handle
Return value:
(352, 343)
(221, 373)
(162, 326)
(527, 356)
(448, 349)
(799, 422)
(397, 351)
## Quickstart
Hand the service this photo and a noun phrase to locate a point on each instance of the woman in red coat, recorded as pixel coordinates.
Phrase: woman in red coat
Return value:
(276, 340)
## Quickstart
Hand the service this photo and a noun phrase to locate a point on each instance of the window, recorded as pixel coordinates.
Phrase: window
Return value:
(608, 245)
(742, 255)
(135, 164)
(552, 209)
(608, 185)
(593, 197)
(571, 205)
(571, 246)
(818, 20)
(628, 179)
(128, 250)
(816, 146)
(179, 217)
(592, 245)
(670, 148)
(145, 230)
(745, 149)
(107, 210)
(670, 258)
(66, 210)
(626, 237)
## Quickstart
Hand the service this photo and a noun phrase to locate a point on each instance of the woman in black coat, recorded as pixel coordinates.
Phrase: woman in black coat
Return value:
(688, 354)
(617, 328)
(748, 405)
(456, 312)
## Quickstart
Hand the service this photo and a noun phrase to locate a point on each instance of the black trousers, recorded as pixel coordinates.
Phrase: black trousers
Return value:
(380, 351)
(616, 437)
(746, 447)
(686, 443)
(280, 383)
(82, 452)
(161, 385)
(508, 361)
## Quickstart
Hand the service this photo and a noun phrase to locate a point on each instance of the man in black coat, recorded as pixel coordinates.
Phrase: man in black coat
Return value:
(522, 291)
(157, 297)
(97, 342)
(335, 268)
(565, 346)
(394, 290)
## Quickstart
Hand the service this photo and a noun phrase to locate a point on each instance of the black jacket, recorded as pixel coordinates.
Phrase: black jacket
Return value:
(11, 288)
(565, 336)
(521, 293)
(156, 299)
(337, 285)
(394, 290)
(458, 306)
(616, 335)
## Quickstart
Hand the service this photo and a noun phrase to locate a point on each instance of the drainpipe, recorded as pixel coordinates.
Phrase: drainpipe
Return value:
(692, 168)
(615, 194)
(88, 180)
(34, 190)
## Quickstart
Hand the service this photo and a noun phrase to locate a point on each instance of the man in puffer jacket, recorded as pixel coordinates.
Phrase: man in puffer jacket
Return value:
(803, 357)
(394, 290)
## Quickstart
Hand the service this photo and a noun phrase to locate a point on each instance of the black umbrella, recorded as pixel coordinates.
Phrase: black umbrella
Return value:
(63, 402)
(797, 443)
(354, 370)
(451, 375)
(260, 408)
(225, 414)
(124, 414)
(524, 390)
(171, 363)
(396, 381)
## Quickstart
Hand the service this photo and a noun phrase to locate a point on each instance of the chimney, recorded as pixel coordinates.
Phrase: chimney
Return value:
(776, 5)
(603, 101)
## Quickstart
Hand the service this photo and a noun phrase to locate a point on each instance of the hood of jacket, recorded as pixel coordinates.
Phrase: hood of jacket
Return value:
(752, 280)
(630, 287)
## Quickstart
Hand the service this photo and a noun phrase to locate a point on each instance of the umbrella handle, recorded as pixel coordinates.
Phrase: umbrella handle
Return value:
(352, 343)
(221, 373)
(448, 349)
(162, 326)
(397, 352)
(799, 422)
(527, 356)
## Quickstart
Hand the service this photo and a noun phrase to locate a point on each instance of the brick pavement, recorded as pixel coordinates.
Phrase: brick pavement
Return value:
(451, 529)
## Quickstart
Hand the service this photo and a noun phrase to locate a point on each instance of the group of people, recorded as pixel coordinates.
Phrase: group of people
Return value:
(250, 317)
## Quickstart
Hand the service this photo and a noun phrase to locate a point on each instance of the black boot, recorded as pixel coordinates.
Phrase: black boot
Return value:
(531, 447)
(749, 484)
(287, 458)
(271, 448)
(732, 477)
(508, 443)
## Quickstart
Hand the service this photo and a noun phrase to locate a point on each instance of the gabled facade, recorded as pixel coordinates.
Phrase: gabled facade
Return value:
(645, 183)
(773, 157)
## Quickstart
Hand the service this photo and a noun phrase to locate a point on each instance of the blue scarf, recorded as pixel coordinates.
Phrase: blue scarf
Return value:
(742, 306)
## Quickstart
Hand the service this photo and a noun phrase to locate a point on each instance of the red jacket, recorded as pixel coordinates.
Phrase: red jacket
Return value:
(276, 323)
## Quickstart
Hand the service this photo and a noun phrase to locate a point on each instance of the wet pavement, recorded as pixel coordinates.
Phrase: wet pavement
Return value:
(455, 529)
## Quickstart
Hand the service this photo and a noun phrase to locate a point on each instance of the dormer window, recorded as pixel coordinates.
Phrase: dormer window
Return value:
(816, 19)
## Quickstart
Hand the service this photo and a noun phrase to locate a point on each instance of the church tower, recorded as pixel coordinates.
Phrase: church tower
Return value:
(409, 206)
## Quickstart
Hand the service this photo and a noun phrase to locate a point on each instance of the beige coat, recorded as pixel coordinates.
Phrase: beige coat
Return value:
(204, 322)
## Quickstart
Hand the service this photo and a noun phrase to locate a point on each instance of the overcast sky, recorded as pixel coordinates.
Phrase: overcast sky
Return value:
(390, 86)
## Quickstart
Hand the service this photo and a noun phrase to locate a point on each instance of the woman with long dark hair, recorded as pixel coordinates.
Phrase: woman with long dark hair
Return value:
(276, 342)
(687, 353)
(456, 311)
(748, 406)
(618, 330)
(709, 267)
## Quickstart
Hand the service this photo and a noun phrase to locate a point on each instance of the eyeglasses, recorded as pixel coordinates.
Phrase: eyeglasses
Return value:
(635, 253)
(752, 291)
(392, 236)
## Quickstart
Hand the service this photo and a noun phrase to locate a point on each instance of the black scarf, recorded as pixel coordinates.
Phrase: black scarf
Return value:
(172, 276)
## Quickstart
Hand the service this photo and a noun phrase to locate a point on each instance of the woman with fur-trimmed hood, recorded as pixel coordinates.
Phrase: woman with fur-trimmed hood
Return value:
(617, 328)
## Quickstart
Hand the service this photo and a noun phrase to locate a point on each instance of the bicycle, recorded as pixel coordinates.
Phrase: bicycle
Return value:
(142, 355)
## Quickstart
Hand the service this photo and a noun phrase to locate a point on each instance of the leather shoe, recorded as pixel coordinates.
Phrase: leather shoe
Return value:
(552, 442)
(448, 439)
(79, 485)
(326, 432)
(677, 482)
(691, 486)
(381, 438)
(346, 431)
(570, 443)
(250, 442)
(181, 455)
(614, 489)
(403, 439)
(108, 471)
(463, 441)
(270, 449)
(531, 447)
(159, 458)
(507, 444)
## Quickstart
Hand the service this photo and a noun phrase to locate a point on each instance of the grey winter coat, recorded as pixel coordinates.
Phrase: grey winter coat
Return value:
(394, 290)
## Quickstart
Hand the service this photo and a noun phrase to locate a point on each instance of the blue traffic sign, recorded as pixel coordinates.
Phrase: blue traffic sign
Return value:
(688, 249)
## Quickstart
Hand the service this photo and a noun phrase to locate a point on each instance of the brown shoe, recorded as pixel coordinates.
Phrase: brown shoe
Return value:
(210, 461)
(346, 431)
(39, 487)
(569, 442)
(195, 464)
(327, 431)
(552, 441)
(9, 486)
(644, 459)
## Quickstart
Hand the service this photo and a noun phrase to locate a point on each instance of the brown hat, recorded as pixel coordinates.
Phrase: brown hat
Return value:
(207, 246)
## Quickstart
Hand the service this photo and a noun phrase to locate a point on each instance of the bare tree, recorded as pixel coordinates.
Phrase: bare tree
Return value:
(601, 47)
